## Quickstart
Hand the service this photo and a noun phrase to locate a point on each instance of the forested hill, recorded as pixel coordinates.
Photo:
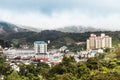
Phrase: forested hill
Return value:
(56, 37)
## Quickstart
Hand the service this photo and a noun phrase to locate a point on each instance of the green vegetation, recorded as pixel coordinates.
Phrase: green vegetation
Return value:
(103, 67)
(75, 48)
(57, 38)
(5, 69)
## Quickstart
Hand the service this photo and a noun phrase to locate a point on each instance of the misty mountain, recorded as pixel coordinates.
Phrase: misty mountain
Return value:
(22, 34)
(29, 28)
(7, 28)
(79, 29)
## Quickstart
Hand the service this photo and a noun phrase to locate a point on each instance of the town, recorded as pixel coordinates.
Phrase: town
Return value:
(59, 40)
(95, 45)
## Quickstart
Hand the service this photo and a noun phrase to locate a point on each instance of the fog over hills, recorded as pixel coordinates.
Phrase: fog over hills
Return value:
(6, 28)
(80, 29)
(58, 37)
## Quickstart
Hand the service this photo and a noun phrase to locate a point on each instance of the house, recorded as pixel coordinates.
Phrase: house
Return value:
(83, 54)
(15, 67)
(63, 48)
(94, 52)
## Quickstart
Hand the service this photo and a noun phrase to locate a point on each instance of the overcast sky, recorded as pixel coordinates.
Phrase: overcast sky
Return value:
(50, 14)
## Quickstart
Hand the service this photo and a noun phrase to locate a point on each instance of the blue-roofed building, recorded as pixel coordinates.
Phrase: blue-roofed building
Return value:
(40, 42)
(40, 47)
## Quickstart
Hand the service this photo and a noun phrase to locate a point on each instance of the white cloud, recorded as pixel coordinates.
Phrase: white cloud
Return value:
(104, 3)
(61, 19)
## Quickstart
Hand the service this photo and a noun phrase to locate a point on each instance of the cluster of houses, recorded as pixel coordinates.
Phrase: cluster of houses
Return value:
(54, 56)
(89, 54)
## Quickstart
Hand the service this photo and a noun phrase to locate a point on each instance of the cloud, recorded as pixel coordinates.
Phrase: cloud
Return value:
(50, 14)
(45, 5)
(49, 6)
(106, 3)
(60, 19)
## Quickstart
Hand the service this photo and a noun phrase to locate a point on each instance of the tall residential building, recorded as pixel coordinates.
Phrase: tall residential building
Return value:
(40, 47)
(96, 42)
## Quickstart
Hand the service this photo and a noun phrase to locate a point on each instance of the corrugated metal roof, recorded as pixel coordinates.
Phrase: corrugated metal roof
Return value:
(40, 42)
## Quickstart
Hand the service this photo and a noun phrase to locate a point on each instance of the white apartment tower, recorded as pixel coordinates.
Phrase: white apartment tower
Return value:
(40, 47)
(96, 42)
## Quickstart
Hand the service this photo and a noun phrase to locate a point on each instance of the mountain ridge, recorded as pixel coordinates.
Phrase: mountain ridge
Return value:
(6, 28)
(79, 29)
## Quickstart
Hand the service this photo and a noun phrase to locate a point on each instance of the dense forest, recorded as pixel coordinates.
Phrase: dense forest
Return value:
(57, 38)
(103, 67)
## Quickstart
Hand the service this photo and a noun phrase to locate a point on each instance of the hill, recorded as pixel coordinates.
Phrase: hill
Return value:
(57, 38)
(7, 28)
(79, 29)
(22, 35)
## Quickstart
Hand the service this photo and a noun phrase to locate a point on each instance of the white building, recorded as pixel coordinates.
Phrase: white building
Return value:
(83, 54)
(15, 67)
(63, 48)
(40, 47)
(97, 42)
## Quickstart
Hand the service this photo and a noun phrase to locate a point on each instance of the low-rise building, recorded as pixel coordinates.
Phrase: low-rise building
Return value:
(14, 67)
(63, 48)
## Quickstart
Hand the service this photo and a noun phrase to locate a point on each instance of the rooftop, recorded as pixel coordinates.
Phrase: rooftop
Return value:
(40, 42)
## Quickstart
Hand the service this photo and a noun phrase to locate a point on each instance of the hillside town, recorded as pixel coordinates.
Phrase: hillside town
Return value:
(40, 53)
(59, 40)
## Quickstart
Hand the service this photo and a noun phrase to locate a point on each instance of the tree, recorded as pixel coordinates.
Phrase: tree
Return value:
(107, 50)
(23, 70)
(66, 76)
(5, 68)
(67, 60)
(42, 68)
(93, 63)
(82, 71)
(15, 76)
(112, 64)
(117, 52)
(106, 76)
